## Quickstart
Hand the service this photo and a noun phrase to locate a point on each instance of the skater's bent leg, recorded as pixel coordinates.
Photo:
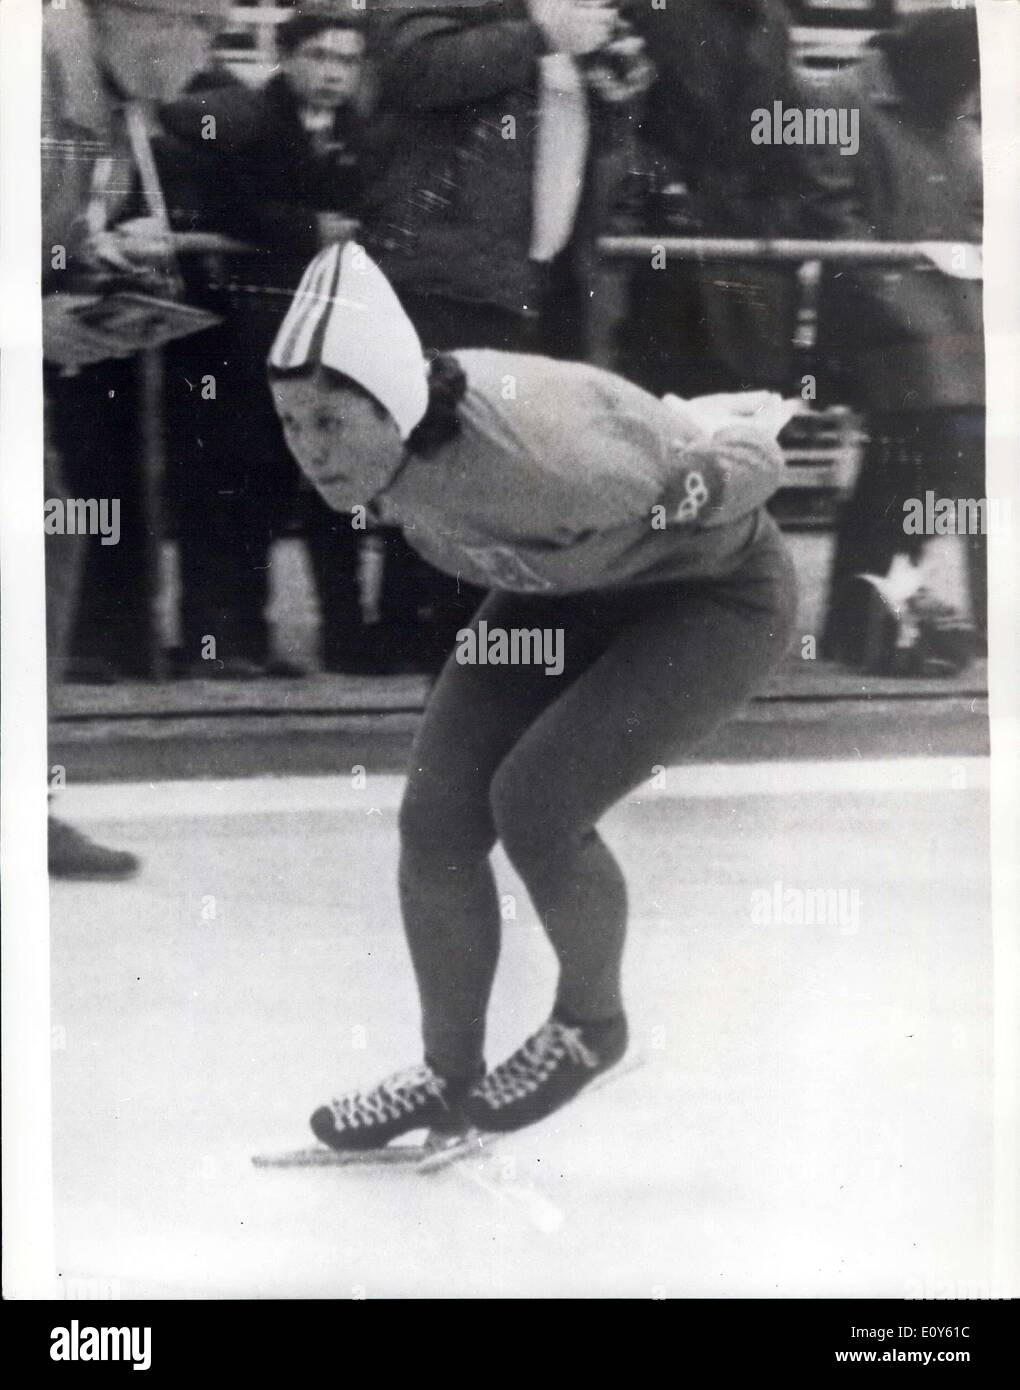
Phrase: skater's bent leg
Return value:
(447, 890)
(579, 893)
(451, 919)
(678, 669)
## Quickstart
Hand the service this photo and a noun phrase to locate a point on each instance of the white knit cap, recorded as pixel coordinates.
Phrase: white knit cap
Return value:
(346, 316)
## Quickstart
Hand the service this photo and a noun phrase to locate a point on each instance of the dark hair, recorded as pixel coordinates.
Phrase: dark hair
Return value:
(303, 26)
(441, 421)
(933, 59)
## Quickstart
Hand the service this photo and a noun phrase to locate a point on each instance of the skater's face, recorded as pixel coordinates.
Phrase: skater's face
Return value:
(346, 444)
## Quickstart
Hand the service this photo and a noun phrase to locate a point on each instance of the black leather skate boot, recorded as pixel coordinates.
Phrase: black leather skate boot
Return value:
(545, 1072)
(417, 1098)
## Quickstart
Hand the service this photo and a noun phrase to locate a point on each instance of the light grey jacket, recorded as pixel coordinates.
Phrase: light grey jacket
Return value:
(565, 477)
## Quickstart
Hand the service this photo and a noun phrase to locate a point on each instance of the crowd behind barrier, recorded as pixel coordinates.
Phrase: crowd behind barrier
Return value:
(692, 259)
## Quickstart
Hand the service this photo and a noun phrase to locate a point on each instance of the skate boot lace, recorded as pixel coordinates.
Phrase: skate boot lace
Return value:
(400, 1094)
(534, 1062)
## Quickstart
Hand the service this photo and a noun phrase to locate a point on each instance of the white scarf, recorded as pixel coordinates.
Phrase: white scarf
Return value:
(560, 156)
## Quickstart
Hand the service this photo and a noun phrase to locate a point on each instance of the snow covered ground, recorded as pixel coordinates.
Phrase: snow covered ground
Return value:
(813, 1117)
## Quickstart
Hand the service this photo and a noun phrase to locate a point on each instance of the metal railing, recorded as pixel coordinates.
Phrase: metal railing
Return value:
(824, 457)
(770, 249)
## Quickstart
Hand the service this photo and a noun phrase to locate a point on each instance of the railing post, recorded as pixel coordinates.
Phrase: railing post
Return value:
(152, 454)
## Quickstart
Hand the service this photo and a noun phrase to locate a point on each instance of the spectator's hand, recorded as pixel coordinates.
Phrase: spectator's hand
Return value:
(621, 71)
(70, 343)
(576, 27)
(138, 245)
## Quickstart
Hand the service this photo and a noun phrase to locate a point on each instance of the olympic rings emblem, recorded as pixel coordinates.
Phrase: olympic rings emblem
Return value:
(697, 496)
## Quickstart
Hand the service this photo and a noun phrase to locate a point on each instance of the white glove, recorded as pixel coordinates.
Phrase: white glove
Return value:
(143, 243)
(576, 27)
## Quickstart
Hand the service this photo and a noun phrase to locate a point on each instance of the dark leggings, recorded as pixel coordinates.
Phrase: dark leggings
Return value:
(534, 760)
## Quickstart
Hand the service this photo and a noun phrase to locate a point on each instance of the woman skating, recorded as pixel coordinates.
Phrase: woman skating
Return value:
(631, 527)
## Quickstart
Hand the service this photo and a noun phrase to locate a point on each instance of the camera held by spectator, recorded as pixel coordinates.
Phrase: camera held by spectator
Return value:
(621, 70)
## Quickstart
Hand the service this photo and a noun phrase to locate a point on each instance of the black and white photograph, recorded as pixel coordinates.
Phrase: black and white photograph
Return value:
(511, 646)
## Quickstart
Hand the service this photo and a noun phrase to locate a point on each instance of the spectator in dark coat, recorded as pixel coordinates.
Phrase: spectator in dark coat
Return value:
(452, 219)
(721, 325)
(95, 59)
(907, 346)
(272, 167)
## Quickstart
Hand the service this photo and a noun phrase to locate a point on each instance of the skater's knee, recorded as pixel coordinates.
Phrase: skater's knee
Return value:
(529, 827)
(437, 825)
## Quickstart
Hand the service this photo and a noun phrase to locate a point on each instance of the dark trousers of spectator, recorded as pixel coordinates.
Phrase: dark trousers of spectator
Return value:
(233, 488)
(65, 554)
(695, 329)
(422, 609)
(908, 454)
(93, 429)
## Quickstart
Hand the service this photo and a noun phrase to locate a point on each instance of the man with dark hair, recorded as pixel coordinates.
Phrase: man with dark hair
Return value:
(311, 21)
(260, 163)
(282, 162)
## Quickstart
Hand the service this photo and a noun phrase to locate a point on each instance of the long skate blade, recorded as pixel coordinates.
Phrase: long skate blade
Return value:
(440, 1153)
(405, 1155)
(473, 1143)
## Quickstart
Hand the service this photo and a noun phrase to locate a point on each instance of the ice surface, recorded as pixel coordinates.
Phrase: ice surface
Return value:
(813, 1118)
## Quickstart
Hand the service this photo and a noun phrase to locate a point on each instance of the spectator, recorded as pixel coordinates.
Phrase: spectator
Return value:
(461, 219)
(95, 58)
(721, 326)
(284, 159)
(906, 346)
(129, 51)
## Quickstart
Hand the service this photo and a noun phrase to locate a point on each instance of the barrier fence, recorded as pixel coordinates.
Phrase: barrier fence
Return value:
(777, 250)
(824, 454)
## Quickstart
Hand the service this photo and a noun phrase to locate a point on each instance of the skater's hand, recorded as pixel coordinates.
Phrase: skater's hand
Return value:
(766, 409)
